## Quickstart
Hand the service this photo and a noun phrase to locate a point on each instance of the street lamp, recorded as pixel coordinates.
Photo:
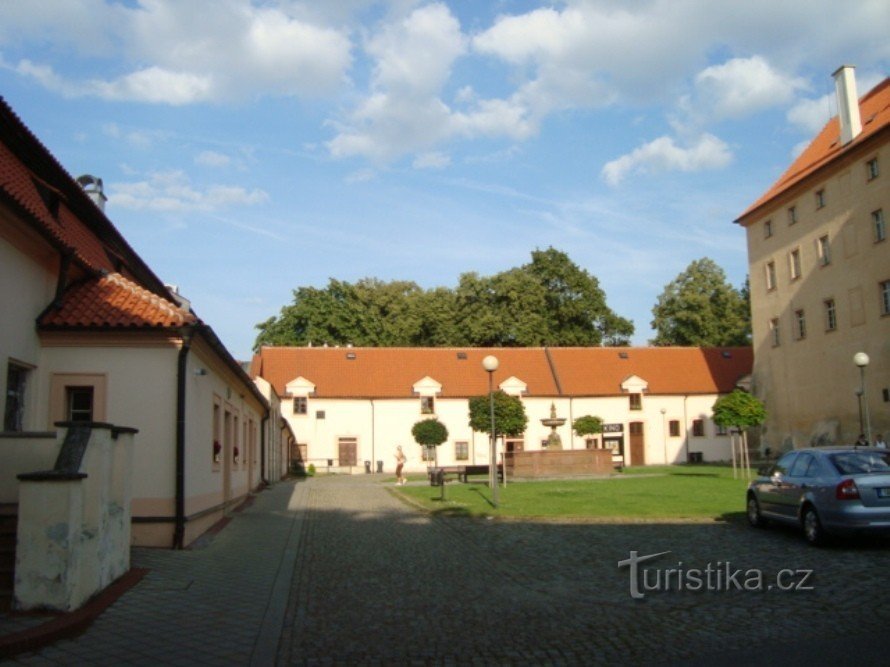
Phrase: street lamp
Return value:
(490, 364)
(861, 359)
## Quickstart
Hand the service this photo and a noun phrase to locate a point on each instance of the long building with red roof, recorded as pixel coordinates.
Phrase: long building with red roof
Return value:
(819, 266)
(350, 406)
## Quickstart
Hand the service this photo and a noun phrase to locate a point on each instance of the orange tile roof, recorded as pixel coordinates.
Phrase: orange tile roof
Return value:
(599, 371)
(874, 109)
(392, 372)
(113, 301)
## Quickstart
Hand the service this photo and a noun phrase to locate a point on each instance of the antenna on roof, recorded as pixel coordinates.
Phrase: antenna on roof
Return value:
(92, 186)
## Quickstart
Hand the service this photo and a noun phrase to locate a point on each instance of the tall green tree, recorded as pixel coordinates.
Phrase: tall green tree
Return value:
(509, 414)
(701, 308)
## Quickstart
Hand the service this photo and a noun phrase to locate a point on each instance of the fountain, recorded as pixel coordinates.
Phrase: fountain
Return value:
(553, 440)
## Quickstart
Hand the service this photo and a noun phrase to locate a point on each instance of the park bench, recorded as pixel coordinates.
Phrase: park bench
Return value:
(444, 473)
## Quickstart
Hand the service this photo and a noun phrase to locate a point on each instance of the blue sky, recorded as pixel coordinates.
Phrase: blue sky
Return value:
(252, 147)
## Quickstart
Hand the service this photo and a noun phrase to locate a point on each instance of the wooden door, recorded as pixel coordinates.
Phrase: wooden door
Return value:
(637, 444)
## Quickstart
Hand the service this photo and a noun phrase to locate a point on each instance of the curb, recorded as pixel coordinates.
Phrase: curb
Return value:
(71, 623)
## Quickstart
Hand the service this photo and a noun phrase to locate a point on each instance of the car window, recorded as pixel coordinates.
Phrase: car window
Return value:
(802, 466)
(853, 463)
(784, 463)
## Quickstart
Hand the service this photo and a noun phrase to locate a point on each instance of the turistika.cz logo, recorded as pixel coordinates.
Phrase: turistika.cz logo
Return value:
(718, 577)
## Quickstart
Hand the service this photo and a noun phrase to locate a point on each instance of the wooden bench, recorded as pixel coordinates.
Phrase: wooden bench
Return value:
(462, 472)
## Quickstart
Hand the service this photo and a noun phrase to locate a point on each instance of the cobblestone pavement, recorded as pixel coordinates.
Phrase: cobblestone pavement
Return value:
(377, 582)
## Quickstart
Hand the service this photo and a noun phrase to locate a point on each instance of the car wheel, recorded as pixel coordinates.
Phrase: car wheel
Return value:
(755, 518)
(812, 526)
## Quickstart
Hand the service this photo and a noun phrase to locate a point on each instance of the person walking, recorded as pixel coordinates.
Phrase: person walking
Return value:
(400, 464)
(879, 442)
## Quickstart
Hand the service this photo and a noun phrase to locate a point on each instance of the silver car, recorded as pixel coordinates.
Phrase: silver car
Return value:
(826, 491)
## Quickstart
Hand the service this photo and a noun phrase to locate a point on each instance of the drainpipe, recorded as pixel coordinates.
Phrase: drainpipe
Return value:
(264, 423)
(181, 369)
(373, 438)
(686, 427)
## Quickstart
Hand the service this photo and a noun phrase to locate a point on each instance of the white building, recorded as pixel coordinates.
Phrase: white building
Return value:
(349, 407)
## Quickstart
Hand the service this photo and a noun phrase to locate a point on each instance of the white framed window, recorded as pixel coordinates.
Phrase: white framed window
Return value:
(823, 250)
(774, 331)
(14, 409)
(878, 225)
(427, 405)
(301, 405)
(800, 324)
(461, 451)
(794, 263)
(79, 404)
(636, 401)
(871, 169)
(885, 297)
(792, 215)
(767, 229)
(820, 198)
(698, 428)
(770, 272)
(830, 315)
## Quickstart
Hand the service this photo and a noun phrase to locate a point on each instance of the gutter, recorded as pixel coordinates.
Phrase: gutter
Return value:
(181, 368)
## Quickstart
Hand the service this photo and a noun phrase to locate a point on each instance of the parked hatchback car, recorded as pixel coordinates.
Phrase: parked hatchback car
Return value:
(826, 491)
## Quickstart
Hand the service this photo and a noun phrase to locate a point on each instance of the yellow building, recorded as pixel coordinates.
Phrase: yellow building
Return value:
(819, 263)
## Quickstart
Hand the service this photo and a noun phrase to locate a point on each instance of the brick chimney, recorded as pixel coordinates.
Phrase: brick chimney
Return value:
(847, 103)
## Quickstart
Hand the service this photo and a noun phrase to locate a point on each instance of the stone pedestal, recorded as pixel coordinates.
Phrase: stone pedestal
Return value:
(559, 463)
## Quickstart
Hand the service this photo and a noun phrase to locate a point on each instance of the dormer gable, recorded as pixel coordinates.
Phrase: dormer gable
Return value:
(299, 386)
(634, 385)
(513, 386)
(427, 386)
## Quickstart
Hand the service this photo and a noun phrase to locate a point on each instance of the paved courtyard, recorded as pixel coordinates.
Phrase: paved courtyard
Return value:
(337, 570)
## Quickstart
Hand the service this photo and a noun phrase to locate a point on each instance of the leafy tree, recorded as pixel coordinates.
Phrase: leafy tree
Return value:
(699, 307)
(588, 425)
(509, 414)
(429, 433)
(738, 409)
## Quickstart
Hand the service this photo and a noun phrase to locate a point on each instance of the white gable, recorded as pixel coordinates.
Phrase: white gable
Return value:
(634, 385)
(513, 386)
(427, 387)
(299, 387)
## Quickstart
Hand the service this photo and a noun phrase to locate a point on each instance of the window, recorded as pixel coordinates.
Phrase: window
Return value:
(823, 250)
(830, 315)
(674, 428)
(800, 325)
(217, 442)
(236, 435)
(792, 215)
(722, 430)
(14, 412)
(871, 168)
(461, 451)
(319, 414)
(427, 453)
(877, 223)
(885, 297)
(794, 263)
(301, 405)
(347, 451)
(79, 404)
(770, 276)
(767, 229)
(820, 198)
(698, 427)
(427, 405)
(636, 401)
(774, 331)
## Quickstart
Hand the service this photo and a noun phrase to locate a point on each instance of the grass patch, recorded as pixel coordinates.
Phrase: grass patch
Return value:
(654, 492)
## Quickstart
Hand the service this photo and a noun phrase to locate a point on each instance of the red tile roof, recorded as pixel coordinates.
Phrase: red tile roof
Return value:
(113, 301)
(874, 109)
(392, 372)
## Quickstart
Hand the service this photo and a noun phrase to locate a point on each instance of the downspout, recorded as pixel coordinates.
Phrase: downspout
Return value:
(686, 427)
(373, 438)
(181, 367)
(265, 423)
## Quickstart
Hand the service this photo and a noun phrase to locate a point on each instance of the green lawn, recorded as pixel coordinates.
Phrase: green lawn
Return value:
(655, 492)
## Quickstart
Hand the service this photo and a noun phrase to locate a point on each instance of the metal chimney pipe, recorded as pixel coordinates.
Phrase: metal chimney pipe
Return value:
(92, 186)
(847, 103)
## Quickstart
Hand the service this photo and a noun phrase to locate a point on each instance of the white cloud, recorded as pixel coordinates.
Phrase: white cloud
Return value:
(432, 160)
(361, 176)
(742, 86)
(810, 115)
(663, 154)
(212, 159)
(172, 191)
(190, 52)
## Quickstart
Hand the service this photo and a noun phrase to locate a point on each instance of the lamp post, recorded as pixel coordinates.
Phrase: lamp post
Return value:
(490, 364)
(861, 359)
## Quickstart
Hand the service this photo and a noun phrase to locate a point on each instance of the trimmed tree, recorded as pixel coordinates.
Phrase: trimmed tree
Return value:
(509, 414)
(429, 433)
(588, 425)
(739, 410)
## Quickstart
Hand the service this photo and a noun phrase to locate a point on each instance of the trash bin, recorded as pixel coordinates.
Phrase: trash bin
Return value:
(695, 457)
(367, 467)
(437, 477)
(379, 466)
